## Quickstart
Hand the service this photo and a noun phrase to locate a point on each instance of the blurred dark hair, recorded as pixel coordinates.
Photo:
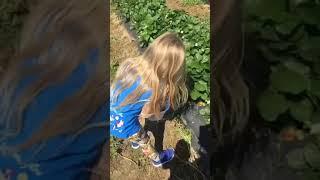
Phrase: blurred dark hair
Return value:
(230, 92)
(60, 35)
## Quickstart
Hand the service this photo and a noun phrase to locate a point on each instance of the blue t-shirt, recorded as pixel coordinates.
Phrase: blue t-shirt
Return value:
(124, 121)
(64, 157)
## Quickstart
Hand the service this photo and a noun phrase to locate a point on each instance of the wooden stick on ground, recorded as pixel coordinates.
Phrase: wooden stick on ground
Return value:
(128, 159)
(186, 162)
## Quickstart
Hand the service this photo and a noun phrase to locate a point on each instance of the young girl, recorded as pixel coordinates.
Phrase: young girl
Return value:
(146, 87)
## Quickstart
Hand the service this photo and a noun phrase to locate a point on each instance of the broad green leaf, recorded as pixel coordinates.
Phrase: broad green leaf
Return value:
(310, 49)
(310, 15)
(198, 56)
(200, 87)
(297, 67)
(280, 46)
(205, 60)
(286, 27)
(301, 111)
(269, 33)
(316, 68)
(296, 160)
(202, 82)
(252, 26)
(315, 87)
(298, 2)
(308, 56)
(267, 9)
(298, 35)
(268, 54)
(194, 64)
(271, 105)
(195, 94)
(315, 120)
(310, 175)
(289, 81)
(204, 96)
(315, 128)
(312, 155)
(317, 140)
(206, 77)
(316, 117)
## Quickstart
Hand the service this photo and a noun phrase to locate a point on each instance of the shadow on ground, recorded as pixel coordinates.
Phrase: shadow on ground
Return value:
(180, 167)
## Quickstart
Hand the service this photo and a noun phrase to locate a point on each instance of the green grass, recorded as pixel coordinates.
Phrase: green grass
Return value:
(184, 132)
(114, 146)
(143, 161)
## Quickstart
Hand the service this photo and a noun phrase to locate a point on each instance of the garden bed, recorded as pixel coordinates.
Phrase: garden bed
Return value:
(282, 67)
(192, 7)
(128, 162)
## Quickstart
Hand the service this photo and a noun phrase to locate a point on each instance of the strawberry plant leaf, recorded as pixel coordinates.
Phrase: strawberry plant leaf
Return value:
(289, 81)
(271, 105)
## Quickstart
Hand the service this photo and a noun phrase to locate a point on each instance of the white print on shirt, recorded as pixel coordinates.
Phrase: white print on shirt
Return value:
(120, 124)
(118, 121)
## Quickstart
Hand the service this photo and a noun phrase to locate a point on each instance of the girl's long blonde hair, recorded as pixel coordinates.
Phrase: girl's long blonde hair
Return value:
(161, 69)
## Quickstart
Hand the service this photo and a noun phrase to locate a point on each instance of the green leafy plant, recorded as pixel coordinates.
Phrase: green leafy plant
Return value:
(306, 160)
(114, 146)
(289, 36)
(151, 18)
(184, 132)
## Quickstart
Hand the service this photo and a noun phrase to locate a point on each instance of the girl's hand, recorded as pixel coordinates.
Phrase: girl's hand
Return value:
(145, 113)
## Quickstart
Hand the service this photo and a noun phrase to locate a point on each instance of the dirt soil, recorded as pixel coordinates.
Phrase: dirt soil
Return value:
(199, 10)
(122, 45)
(130, 164)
